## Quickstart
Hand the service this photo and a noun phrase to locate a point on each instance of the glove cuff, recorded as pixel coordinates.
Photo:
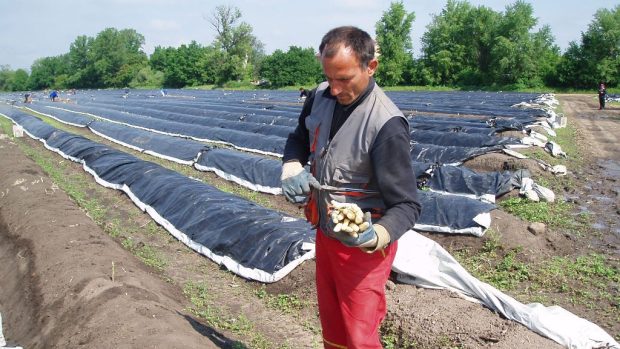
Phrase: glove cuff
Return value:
(383, 239)
(291, 169)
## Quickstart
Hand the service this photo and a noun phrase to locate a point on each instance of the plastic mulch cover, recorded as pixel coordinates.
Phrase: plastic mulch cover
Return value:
(437, 214)
(165, 146)
(447, 155)
(75, 147)
(453, 214)
(488, 126)
(254, 172)
(212, 119)
(63, 116)
(459, 139)
(244, 140)
(427, 264)
(32, 125)
(463, 181)
(444, 127)
(250, 240)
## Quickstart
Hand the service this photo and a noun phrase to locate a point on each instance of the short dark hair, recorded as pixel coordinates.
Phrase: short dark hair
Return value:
(358, 40)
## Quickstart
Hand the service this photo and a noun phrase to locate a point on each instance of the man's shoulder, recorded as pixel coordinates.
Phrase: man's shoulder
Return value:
(386, 102)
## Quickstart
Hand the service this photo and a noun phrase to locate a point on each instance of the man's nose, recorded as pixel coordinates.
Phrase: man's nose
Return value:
(335, 89)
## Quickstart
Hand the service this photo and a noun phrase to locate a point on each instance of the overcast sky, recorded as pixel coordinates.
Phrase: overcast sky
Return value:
(39, 28)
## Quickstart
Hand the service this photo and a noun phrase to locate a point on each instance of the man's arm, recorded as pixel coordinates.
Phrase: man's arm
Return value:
(298, 142)
(395, 178)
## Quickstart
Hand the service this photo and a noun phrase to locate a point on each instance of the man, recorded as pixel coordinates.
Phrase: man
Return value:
(54, 96)
(357, 140)
(303, 93)
(602, 92)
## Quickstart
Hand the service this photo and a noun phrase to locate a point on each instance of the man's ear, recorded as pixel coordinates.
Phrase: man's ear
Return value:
(372, 66)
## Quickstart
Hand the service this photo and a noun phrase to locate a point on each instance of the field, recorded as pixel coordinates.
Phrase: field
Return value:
(82, 266)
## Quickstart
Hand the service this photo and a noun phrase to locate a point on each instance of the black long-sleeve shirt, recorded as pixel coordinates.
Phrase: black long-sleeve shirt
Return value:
(394, 177)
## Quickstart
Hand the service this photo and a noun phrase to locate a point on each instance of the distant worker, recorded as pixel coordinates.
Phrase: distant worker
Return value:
(303, 93)
(28, 98)
(602, 93)
(54, 96)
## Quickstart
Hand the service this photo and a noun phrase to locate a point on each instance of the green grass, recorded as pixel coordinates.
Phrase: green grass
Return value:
(503, 270)
(203, 307)
(557, 214)
(284, 303)
(7, 126)
(147, 254)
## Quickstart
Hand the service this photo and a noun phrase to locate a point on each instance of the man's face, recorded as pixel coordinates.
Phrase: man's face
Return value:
(347, 80)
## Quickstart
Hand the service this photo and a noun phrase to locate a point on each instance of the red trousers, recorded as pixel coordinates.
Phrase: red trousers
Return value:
(351, 293)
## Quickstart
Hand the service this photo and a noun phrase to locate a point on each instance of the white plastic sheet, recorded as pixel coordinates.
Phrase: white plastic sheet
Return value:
(423, 262)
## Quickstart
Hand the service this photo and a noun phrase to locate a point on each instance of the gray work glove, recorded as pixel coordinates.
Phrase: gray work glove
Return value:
(296, 182)
(374, 238)
(365, 239)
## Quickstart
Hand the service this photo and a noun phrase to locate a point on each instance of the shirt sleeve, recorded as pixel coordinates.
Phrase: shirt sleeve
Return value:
(395, 177)
(298, 142)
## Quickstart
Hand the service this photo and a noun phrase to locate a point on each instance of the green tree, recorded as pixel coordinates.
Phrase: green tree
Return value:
(295, 67)
(5, 77)
(117, 56)
(511, 61)
(83, 74)
(19, 82)
(13, 80)
(148, 78)
(446, 44)
(394, 43)
(597, 57)
(44, 71)
(466, 45)
(241, 48)
(180, 66)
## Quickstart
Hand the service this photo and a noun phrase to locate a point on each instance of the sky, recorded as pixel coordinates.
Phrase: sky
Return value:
(41, 28)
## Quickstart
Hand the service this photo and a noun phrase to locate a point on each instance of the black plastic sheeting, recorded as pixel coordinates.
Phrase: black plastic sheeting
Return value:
(254, 172)
(267, 144)
(286, 103)
(451, 214)
(447, 155)
(248, 239)
(429, 151)
(208, 110)
(488, 127)
(463, 181)
(168, 147)
(470, 103)
(437, 209)
(63, 116)
(257, 172)
(210, 119)
(32, 125)
(456, 139)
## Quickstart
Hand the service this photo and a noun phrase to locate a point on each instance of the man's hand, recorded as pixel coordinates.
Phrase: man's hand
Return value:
(374, 238)
(296, 182)
(366, 239)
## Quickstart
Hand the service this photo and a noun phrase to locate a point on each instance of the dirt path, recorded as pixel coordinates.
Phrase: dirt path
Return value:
(57, 288)
(66, 284)
(599, 137)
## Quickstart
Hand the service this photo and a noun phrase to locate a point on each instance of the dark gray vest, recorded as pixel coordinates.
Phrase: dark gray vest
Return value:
(345, 161)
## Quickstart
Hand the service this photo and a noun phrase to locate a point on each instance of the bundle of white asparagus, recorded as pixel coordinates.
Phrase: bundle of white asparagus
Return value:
(349, 218)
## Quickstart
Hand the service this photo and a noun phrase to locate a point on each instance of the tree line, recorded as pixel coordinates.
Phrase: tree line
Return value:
(464, 46)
